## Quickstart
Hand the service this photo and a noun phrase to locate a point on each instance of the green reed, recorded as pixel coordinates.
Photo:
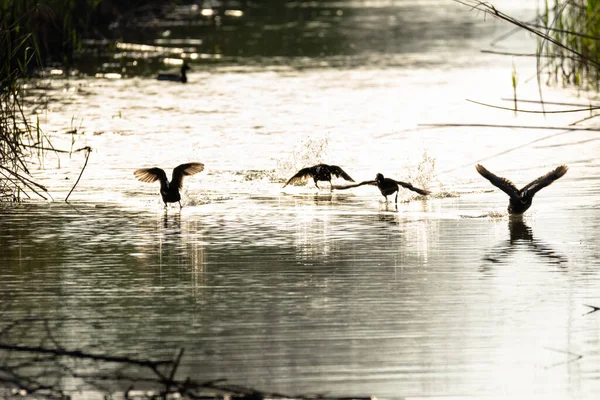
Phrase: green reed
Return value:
(568, 33)
(575, 24)
(32, 33)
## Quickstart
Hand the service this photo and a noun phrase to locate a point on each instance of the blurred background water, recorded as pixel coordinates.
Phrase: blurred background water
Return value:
(300, 290)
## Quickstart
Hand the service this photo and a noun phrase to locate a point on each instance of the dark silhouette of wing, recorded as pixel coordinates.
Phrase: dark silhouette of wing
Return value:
(150, 174)
(414, 189)
(340, 173)
(301, 176)
(184, 170)
(532, 188)
(344, 187)
(501, 183)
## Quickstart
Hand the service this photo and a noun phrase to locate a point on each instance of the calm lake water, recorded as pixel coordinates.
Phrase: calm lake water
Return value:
(307, 291)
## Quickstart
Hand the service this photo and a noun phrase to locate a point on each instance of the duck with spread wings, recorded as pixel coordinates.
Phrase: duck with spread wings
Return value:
(169, 190)
(520, 199)
(319, 172)
(389, 186)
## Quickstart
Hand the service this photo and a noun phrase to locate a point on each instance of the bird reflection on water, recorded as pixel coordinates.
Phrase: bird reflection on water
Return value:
(388, 217)
(172, 224)
(177, 243)
(521, 236)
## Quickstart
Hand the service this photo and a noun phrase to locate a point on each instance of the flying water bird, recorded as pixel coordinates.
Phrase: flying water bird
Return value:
(169, 190)
(175, 77)
(320, 172)
(389, 186)
(520, 200)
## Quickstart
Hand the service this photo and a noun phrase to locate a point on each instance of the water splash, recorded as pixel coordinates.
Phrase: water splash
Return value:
(445, 194)
(305, 153)
(421, 175)
(493, 214)
(258, 175)
(497, 214)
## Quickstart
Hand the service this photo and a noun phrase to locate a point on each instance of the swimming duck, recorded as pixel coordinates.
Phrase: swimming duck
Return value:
(388, 186)
(175, 77)
(319, 172)
(169, 190)
(520, 200)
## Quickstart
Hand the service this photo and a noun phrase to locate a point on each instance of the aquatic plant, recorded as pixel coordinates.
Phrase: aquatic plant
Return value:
(18, 137)
(574, 55)
(32, 33)
(568, 34)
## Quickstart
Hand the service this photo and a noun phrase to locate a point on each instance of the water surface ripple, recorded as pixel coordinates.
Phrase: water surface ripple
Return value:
(303, 291)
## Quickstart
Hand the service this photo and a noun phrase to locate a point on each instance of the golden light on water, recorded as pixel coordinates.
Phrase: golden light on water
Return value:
(148, 48)
(234, 13)
(109, 75)
(172, 61)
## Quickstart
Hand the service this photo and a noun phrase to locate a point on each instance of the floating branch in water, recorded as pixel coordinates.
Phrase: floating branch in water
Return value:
(584, 119)
(594, 309)
(553, 103)
(591, 108)
(82, 355)
(147, 375)
(564, 131)
(561, 128)
(88, 150)
(574, 357)
(507, 53)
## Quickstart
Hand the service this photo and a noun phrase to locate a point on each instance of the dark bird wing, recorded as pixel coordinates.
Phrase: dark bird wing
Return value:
(344, 187)
(184, 170)
(340, 173)
(150, 174)
(543, 181)
(414, 189)
(501, 183)
(301, 176)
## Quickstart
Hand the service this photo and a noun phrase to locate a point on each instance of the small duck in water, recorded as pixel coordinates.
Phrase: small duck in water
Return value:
(520, 200)
(320, 172)
(175, 77)
(389, 186)
(169, 190)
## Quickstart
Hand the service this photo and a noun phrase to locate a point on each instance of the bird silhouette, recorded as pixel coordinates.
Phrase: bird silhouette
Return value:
(388, 186)
(520, 200)
(175, 77)
(319, 172)
(169, 191)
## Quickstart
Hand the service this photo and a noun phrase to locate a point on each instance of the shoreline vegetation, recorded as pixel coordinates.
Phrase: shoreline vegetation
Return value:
(32, 34)
(568, 33)
(35, 35)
